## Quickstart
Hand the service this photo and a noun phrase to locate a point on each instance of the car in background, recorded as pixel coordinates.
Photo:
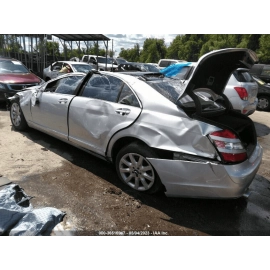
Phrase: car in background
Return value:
(15, 77)
(119, 60)
(262, 71)
(242, 91)
(53, 70)
(263, 94)
(163, 63)
(103, 63)
(135, 66)
(162, 135)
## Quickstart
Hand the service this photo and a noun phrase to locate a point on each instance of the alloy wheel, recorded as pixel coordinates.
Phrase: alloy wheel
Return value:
(16, 114)
(136, 172)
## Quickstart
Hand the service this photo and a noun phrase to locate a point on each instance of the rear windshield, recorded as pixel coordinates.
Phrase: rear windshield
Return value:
(243, 76)
(172, 89)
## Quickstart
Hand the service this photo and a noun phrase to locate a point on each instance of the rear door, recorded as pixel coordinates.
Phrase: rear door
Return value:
(105, 106)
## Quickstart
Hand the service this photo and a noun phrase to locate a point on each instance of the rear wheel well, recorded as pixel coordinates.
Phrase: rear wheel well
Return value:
(118, 145)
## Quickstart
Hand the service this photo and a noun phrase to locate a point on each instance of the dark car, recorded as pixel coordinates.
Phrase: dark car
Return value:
(262, 71)
(15, 77)
(263, 94)
(134, 66)
(118, 61)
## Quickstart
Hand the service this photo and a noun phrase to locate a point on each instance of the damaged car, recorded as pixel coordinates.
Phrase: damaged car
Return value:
(161, 134)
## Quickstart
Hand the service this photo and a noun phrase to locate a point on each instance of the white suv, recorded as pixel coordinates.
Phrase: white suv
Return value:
(101, 62)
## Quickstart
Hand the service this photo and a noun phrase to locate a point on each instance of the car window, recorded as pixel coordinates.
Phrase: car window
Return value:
(12, 67)
(57, 66)
(243, 76)
(82, 68)
(66, 85)
(127, 97)
(69, 85)
(266, 71)
(85, 58)
(103, 87)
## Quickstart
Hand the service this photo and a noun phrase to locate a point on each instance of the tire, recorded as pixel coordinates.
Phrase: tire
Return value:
(134, 170)
(263, 103)
(16, 116)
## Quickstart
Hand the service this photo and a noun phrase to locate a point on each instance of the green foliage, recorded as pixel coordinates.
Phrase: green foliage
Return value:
(131, 55)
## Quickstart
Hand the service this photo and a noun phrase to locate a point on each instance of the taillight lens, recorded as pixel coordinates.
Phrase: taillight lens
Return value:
(242, 92)
(229, 146)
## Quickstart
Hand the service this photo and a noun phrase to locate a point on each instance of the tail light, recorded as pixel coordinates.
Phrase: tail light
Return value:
(242, 92)
(229, 146)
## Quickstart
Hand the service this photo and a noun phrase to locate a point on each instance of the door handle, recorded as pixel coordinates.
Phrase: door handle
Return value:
(63, 100)
(123, 111)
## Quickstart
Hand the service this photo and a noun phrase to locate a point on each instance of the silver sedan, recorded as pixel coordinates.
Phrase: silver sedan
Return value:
(161, 134)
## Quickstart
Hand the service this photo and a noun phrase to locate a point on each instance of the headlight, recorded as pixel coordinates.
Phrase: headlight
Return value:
(2, 86)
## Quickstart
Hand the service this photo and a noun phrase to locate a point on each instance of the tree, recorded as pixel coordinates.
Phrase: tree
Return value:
(264, 49)
(153, 50)
(131, 55)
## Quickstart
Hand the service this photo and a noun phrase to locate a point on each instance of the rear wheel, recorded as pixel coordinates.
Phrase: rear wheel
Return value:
(16, 116)
(135, 170)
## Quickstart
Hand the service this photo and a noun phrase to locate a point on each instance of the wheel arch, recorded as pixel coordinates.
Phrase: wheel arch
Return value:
(122, 142)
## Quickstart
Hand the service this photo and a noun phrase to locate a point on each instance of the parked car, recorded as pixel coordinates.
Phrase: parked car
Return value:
(161, 134)
(15, 77)
(53, 70)
(103, 63)
(241, 89)
(162, 63)
(118, 61)
(263, 94)
(135, 66)
(262, 71)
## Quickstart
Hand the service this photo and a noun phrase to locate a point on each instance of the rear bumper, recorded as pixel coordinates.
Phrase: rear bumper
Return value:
(207, 180)
(245, 107)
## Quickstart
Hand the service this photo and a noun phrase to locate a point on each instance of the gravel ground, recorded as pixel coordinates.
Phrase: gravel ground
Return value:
(97, 203)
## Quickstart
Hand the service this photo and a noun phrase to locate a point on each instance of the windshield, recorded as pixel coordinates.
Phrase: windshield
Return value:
(82, 68)
(103, 60)
(12, 67)
(120, 61)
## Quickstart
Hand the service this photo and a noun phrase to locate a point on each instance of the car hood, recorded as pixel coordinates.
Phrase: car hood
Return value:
(214, 69)
(19, 78)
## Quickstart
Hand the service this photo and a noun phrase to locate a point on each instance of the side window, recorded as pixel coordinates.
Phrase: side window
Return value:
(127, 97)
(68, 85)
(102, 87)
(85, 58)
(57, 66)
(51, 87)
(92, 59)
(266, 71)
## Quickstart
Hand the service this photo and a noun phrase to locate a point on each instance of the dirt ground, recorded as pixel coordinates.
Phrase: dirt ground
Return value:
(97, 203)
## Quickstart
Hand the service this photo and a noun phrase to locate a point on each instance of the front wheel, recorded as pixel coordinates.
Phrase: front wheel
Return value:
(263, 103)
(135, 170)
(16, 116)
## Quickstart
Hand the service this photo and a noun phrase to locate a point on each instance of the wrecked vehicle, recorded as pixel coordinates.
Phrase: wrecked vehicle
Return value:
(162, 134)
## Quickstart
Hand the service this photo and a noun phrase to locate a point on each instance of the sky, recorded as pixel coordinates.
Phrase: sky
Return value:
(127, 41)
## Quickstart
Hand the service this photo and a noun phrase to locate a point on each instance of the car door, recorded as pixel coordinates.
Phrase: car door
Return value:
(105, 106)
(51, 111)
